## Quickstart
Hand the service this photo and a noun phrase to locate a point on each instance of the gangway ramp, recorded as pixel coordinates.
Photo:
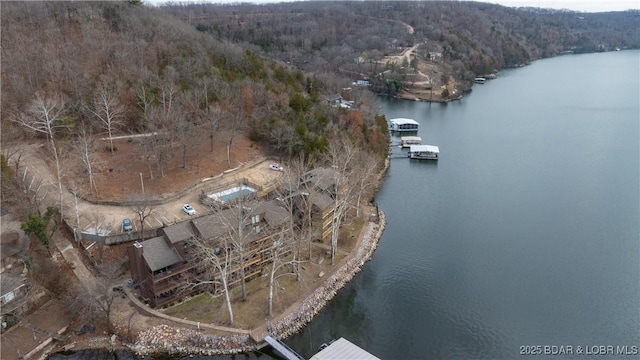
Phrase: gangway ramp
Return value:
(282, 348)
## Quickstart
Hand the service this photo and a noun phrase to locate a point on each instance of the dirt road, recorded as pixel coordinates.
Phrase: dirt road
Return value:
(87, 216)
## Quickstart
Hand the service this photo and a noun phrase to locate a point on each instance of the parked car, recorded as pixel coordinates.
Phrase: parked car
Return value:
(120, 291)
(127, 225)
(276, 167)
(188, 209)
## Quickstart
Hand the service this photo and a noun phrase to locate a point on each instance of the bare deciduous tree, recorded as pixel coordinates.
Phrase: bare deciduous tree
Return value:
(279, 249)
(44, 116)
(214, 261)
(74, 190)
(97, 304)
(238, 222)
(145, 95)
(108, 109)
(85, 150)
(213, 116)
(296, 200)
(238, 236)
(168, 91)
(155, 146)
(143, 209)
(341, 155)
(15, 156)
(13, 188)
(366, 168)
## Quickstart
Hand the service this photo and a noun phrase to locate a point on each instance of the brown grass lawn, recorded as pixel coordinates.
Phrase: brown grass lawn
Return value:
(252, 313)
(349, 233)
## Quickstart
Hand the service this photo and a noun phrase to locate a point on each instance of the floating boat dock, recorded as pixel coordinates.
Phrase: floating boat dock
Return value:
(426, 152)
(403, 124)
(407, 141)
(338, 349)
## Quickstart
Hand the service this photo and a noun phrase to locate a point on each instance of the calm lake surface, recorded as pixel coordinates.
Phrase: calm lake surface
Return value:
(525, 232)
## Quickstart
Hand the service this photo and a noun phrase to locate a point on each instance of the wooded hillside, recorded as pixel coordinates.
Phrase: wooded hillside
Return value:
(114, 68)
(264, 70)
(472, 38)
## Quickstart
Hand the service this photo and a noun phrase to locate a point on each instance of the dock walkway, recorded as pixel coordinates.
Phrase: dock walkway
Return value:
(283, 349)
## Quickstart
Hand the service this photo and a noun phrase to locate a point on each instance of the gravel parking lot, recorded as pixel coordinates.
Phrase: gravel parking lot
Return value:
(109, 218)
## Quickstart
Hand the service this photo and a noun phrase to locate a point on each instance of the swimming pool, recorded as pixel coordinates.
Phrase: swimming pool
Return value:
(234, 193)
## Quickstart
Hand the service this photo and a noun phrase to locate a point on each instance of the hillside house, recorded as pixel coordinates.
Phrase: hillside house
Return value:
(339, 101)
(361, 83)
(14, 285)
(13, 248)
(434, 55)
(334, 100)
(13, 290)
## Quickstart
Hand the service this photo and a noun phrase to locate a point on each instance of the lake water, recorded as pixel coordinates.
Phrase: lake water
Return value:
(524, 233)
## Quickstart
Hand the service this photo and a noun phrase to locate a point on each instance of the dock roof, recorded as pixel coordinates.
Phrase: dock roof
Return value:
(424, 148)
(405, 138)
(402, 121)
(343, 349)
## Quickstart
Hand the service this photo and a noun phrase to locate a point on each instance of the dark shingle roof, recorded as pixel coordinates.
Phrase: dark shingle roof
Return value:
(9, 282)
(14, 244)
(322, 178)
(274, 214)
(225, 222)
(158, 254)
(211, 226)
(179, 232)
(321, 200)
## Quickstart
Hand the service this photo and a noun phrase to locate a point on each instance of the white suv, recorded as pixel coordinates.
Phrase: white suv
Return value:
(276, 167)
(188, 209)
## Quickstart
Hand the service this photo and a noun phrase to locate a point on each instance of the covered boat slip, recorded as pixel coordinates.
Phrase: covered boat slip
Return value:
(403, 124)
(427, 152)
(407, 141)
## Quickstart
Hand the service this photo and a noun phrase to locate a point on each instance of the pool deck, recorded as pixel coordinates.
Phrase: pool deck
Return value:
(232, 193)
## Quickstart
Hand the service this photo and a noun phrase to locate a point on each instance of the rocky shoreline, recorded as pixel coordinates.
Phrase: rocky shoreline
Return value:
(295, 321)
(166, 339)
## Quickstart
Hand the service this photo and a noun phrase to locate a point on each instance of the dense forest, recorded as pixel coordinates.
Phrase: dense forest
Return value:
(468, 38)
(264, 70)
(124, 68)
